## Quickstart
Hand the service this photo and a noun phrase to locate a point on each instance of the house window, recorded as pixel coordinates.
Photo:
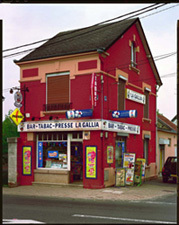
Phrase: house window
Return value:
(146, 150)
(57, 90)
(133, 54)
(121, 94)
(169, 144)
(146, 106)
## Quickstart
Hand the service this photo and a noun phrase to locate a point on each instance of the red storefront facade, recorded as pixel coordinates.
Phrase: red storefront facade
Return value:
(115, 74)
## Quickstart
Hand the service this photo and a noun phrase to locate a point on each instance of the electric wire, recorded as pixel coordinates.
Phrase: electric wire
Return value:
(95, 26)
(81, 28)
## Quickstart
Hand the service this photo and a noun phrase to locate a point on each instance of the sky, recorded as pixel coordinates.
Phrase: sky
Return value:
(28, 23)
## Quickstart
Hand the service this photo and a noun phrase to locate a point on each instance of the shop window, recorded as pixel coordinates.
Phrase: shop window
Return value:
(52, 155)
(146, 150)
(121, 94)
(77, 135)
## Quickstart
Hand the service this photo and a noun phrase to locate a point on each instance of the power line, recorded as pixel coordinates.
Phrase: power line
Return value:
(10, 49)
(155, 6)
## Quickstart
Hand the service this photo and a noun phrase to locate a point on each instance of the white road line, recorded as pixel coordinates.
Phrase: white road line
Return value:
(18, 221)
(150, 202)
(124, 219)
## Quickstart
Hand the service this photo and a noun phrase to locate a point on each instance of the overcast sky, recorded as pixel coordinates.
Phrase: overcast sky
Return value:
(28, 23)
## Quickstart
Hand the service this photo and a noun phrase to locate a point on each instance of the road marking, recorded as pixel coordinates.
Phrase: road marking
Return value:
(150, 202)
(124, 219)
(17, 221)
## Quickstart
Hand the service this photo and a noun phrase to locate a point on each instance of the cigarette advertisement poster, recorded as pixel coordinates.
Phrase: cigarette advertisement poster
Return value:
(27, 160)
(109, 154)
(129, 160)
(120, 177)
(129, 176)
(91, 162)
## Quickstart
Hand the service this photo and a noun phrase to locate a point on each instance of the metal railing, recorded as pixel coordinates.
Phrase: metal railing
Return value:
(57, 106)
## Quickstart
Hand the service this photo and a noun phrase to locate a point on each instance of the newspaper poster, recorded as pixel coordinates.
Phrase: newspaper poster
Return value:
(120, 177)
(129, 176)
(143, 166)
(129, 160)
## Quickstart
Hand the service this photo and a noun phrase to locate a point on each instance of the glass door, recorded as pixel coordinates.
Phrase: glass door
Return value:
(120, 149)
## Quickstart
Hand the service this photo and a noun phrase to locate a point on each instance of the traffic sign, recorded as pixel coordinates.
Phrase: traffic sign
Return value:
(16, 116)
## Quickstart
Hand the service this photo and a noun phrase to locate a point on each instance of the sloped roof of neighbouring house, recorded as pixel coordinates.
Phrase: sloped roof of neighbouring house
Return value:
(165, 124)
(89, 39)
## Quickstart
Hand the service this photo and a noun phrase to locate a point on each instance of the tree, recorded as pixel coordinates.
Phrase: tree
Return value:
(9, 129)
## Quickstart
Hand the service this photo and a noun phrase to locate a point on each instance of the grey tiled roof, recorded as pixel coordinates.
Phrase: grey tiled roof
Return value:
(81, 40)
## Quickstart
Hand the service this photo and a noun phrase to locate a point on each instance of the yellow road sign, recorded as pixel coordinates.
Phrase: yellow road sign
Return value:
(16, 116)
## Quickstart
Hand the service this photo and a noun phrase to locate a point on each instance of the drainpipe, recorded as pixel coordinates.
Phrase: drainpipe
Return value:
(156, 141)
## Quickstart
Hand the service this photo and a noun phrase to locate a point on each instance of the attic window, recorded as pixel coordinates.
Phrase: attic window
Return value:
(134, 49)
(133, 55)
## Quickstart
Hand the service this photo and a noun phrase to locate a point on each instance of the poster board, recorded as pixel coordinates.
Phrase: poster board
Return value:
(129, 160)
(120, 177)
(91, 162)
(143, 166)
(129, 176)
(27, 160)
(138, 173)
(110, 151)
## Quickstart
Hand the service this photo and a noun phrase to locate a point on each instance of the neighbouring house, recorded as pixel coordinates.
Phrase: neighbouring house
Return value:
(174, 120)
(92, 98)
(166, 141)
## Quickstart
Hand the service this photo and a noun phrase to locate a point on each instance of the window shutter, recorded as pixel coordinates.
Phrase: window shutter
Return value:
(121, 94)
(57, 89)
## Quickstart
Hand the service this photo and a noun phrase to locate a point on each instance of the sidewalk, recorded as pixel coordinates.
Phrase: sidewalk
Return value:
(148, 190)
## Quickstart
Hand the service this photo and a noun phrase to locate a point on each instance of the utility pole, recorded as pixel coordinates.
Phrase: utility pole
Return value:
(177, 117)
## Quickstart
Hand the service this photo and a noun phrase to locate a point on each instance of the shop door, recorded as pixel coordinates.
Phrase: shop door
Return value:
(120, 149)
(76, 161)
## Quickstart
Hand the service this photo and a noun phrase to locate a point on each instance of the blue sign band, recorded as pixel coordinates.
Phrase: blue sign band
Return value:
(124, 114)
(79, 113)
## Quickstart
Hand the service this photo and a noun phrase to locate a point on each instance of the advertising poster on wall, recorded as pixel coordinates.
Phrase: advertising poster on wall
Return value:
(110, 154)
(91, 162)
(26, 151)
(120, 177)
(129, 160)
(40, 154)
(129, 176)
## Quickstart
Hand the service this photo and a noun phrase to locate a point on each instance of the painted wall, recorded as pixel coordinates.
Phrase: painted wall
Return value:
(168, 150)
(107, 69)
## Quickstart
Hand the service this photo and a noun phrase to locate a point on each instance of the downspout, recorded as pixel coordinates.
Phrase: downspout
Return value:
(156, 141)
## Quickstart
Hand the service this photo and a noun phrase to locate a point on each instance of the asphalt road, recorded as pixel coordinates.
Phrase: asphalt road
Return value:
(60, 211)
